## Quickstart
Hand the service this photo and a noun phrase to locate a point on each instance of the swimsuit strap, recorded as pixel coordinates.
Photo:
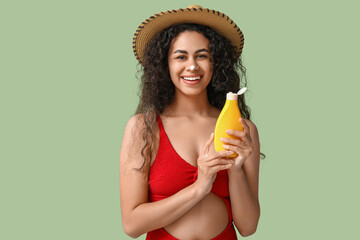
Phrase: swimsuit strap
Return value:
(161, 126)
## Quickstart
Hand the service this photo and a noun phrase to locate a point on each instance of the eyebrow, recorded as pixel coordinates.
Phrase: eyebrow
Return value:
(185, 52)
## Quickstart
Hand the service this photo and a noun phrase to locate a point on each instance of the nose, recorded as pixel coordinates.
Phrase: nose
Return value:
(192, 67)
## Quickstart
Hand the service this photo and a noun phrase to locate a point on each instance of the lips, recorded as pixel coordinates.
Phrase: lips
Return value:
(191, 78)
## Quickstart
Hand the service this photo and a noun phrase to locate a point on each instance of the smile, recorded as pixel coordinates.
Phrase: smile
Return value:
(191, 78)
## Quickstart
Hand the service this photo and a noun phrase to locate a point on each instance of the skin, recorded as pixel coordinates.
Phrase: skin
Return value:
(189, 121)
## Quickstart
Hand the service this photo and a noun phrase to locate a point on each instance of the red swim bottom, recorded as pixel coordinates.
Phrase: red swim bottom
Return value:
(228, 234)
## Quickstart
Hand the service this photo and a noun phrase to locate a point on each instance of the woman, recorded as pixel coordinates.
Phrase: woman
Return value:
(173, 185)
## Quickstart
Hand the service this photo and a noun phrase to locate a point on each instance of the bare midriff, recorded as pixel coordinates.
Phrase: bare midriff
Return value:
(206, 220)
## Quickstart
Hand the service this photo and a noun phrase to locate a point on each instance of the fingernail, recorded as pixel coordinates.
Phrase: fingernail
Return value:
(222, 139)
(227, 130)
(230, 152)
(225, 146)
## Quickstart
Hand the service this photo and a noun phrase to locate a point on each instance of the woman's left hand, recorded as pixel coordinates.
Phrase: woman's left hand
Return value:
(243, 147)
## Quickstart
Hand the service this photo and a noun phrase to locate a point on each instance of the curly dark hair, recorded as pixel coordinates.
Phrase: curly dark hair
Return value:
(157, 90)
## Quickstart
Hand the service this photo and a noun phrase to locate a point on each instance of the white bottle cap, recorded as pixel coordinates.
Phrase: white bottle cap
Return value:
(231, 96)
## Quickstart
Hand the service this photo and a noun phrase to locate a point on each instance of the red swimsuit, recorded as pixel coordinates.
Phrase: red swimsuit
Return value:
(170, 173)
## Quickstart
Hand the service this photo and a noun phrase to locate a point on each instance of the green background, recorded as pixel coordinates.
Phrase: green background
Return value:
(68, 87)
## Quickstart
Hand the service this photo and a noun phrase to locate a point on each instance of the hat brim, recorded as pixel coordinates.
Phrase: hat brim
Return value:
(218, 21)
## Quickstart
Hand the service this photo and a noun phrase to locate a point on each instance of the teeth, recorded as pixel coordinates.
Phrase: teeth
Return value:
(191, 78)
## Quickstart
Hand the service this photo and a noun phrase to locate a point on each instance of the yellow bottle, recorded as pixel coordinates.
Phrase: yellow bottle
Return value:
(229, 118)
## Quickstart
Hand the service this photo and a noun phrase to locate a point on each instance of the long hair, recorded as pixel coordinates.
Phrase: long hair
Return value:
(157, 90)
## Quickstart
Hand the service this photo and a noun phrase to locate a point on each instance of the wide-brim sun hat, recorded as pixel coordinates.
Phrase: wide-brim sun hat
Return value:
(196, 14)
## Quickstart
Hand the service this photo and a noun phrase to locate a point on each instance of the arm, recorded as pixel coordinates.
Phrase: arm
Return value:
(140, 216)
(244, 179)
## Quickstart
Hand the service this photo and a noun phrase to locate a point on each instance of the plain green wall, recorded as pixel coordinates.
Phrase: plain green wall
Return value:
(68, 88)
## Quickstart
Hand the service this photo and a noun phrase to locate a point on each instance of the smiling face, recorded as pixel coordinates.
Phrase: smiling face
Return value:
(190, 63)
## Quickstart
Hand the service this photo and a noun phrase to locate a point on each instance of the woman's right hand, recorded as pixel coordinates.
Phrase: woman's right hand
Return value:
(211, 163)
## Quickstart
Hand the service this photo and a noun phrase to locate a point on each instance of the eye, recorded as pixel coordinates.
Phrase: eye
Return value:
(181, 57)
(202, 56)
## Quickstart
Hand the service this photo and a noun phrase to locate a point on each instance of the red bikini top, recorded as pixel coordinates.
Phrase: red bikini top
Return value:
(170, 173)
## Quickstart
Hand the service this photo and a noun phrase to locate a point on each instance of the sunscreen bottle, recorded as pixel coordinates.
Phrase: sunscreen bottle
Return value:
(229, 118)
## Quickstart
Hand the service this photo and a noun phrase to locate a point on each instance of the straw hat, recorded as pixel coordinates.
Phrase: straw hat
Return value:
(218, 21)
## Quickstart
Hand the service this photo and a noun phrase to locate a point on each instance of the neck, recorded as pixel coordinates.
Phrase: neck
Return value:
(191, 106)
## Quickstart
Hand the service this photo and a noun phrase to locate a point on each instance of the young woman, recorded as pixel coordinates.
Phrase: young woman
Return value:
(173, 185)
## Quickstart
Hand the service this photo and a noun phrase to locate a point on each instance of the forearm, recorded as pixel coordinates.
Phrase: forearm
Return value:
(245, 207)
(153, 215)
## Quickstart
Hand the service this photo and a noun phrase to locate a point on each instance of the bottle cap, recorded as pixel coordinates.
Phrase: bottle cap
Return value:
(231, 96)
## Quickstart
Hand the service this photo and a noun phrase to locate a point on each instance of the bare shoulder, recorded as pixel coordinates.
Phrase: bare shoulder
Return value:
(135, 127)
(134, 122)
(133, 141)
